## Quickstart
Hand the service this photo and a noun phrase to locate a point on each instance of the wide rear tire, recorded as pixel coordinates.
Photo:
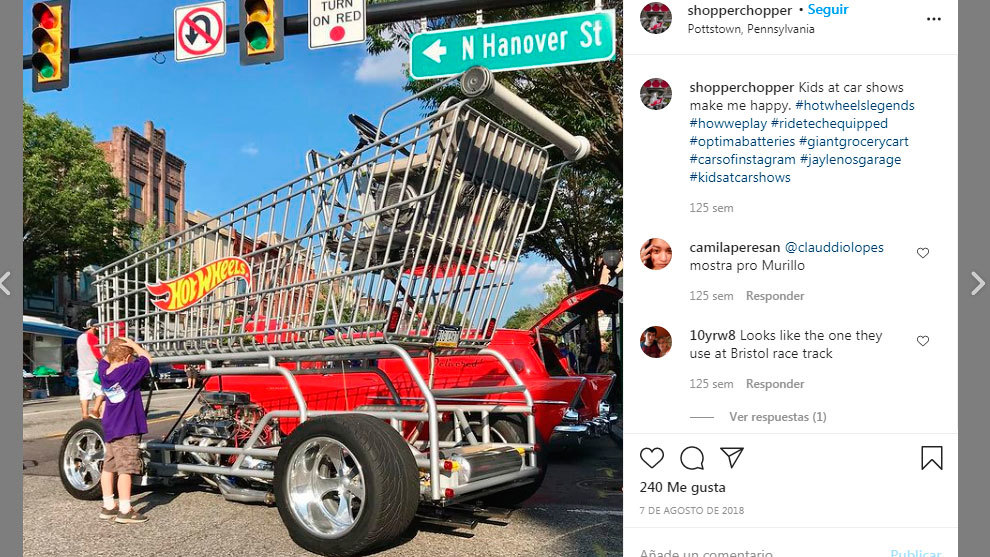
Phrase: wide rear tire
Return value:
(345, 484)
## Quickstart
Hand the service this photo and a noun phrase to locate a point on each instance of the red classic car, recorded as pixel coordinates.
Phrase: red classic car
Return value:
(566, 402)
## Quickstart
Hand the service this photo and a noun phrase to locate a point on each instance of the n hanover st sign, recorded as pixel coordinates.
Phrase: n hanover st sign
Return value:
(575, 38)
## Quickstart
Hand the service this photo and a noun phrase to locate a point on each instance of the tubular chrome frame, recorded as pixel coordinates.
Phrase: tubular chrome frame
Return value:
(427, 452)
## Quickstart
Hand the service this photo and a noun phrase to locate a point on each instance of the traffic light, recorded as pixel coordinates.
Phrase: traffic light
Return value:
(262, 31)
(50, 54)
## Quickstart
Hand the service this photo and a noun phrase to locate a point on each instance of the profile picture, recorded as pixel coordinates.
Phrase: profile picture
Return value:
(655, 93)
(655, 254)
(655, 17)
(655, 342)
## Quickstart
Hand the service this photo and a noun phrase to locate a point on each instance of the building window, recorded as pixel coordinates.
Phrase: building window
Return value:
(169, 210)
(136, 237)
(135, 191)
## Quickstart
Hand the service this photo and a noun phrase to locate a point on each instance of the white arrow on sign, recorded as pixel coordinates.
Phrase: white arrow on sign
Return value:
(435, 51)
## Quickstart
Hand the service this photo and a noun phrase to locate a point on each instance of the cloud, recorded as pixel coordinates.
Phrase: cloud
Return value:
(250, 150)
(533, 274)
(382, 68)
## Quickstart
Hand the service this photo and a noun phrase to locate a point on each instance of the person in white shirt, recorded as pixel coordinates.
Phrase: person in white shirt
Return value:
(88, 351)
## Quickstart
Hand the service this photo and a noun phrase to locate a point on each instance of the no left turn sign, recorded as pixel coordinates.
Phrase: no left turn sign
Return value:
(200, 31)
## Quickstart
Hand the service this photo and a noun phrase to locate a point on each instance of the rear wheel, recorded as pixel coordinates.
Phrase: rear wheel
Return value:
(505, 429)
(345, 484)
(81, 460)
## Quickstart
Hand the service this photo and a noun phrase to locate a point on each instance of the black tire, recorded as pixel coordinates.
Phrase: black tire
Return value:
(95, 492)
(391, 483)
(511, 430)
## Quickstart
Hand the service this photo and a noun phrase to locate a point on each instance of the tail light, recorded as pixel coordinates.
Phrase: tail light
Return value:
(393, 320)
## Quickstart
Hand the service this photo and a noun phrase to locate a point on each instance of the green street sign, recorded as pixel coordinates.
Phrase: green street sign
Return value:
(575, 38)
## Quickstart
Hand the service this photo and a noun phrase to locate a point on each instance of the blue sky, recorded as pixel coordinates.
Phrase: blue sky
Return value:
(211, 108)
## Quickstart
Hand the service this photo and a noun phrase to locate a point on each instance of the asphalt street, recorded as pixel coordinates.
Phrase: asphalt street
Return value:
(577, 512)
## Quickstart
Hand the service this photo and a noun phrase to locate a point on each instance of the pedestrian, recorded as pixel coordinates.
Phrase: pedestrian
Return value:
(192, 374)
(88, 355)
(124, 422)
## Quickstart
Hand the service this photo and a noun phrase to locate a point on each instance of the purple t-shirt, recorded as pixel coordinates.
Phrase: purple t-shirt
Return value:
(124, 413)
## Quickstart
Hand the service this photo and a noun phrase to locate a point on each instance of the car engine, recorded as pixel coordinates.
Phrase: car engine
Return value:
(227, 419)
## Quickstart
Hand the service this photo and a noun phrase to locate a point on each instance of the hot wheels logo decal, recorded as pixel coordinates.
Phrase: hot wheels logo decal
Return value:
(186, 290)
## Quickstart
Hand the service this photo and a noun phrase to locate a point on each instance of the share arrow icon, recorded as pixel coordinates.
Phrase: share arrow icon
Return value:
(732, 453)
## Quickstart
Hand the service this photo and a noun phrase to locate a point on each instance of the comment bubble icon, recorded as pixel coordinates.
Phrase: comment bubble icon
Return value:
(692, 458)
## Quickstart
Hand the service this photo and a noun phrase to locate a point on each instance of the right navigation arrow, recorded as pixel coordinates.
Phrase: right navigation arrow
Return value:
(980, 283)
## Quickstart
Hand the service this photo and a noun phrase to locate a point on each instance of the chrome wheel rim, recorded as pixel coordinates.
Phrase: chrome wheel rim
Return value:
(326, 487)
(83, 459)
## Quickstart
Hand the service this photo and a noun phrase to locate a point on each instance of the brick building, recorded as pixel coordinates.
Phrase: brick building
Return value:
(154, 179)
(140, 162)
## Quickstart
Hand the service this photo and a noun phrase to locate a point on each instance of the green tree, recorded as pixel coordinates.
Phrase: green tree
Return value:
(527, 316)
(73, 205)
(172, 262)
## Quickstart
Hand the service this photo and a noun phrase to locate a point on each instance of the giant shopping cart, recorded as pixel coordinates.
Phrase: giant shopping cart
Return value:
(404, 247)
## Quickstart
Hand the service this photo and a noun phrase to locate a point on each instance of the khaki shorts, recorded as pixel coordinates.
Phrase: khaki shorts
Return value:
(123, 456)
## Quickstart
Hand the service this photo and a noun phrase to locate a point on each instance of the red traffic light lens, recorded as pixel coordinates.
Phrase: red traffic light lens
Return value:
(44, 15)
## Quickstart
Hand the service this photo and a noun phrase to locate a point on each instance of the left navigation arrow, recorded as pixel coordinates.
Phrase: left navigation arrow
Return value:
(2, 280)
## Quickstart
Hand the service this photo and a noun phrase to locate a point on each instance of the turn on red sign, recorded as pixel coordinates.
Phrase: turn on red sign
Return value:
(336, 22)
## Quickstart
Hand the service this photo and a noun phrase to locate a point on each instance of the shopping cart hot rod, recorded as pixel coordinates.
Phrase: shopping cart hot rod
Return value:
(401, 249)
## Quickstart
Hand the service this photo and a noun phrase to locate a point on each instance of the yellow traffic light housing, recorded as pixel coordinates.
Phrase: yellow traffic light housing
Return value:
(50, 39)
(262, 31)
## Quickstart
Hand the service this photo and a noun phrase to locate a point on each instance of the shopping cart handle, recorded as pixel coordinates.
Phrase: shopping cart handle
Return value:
(478, 82)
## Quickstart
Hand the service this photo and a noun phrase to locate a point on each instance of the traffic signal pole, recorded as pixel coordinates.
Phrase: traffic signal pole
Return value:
(389, 12)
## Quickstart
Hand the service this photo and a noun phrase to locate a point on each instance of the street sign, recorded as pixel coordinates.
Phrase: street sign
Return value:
(200, 31)
(336, 22)
(575, 38)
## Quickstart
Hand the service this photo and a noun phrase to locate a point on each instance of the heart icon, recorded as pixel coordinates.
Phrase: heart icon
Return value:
(651, 457)
(922, 252)
(923, 340)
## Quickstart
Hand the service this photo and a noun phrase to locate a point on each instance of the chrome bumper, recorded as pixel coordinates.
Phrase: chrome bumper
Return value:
(602, 425)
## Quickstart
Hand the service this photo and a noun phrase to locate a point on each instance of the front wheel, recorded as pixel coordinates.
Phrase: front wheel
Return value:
(81, 460)
(345, 484)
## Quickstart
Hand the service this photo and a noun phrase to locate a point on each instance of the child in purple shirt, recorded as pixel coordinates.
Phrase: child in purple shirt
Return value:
(124, 422)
